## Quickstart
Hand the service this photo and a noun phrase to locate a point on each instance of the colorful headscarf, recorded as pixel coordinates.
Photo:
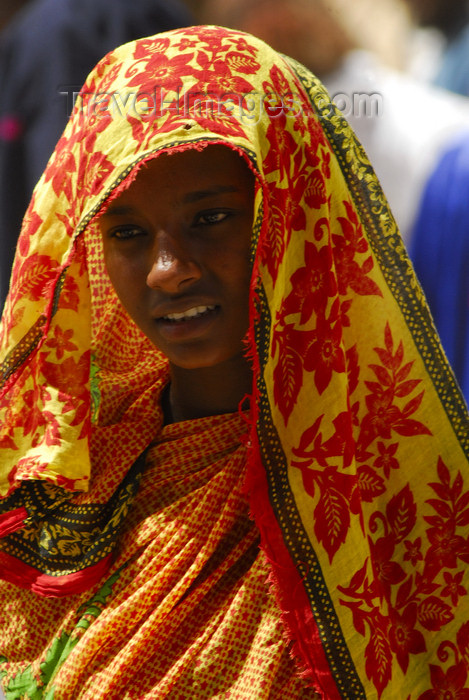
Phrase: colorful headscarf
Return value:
(358, 441)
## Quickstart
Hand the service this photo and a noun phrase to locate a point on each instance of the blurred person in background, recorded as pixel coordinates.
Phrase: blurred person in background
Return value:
(440, 51)
(46, 52)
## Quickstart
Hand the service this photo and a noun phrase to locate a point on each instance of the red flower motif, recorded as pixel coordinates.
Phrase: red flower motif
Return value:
(446, 547)
(403, 636)
(325, 355)
(242, 45)
(447, 686)
(70, 377)
(60, 169)
(240, 63)
(160, 70)
(313, 284)
(347, 245)
(94, 109)
(352, 231)
(61, 342)
(382, 414)
(36, 418)
(282, 146)
(413, 553)
(453, 586)
(185, 44)
(386, 460)
(220, 79)
(69, 296)
(350, 273)
(388, 572)
(31, 224)
(97, 121)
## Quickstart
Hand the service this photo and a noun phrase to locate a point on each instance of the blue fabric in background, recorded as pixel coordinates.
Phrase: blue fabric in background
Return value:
(440, 252)
(453, 73)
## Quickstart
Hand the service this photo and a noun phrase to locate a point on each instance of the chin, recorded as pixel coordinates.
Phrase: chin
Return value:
(204, 360)
(194, 363)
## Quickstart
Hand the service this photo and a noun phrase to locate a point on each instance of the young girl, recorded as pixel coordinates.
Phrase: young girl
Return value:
(233, 456)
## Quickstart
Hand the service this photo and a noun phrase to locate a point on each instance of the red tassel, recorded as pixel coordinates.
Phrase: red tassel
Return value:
(20, 574)
(12, 521)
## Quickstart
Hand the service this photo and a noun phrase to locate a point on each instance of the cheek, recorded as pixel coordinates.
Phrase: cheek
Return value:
(125, 274)
(234, 259)
(235, 271)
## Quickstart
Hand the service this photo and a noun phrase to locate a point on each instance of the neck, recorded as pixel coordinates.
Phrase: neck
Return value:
(207, 391)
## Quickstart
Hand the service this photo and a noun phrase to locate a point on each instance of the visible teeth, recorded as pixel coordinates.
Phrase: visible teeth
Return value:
(190, 313)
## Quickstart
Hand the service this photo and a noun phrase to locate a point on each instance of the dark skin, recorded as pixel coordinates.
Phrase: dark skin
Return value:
(223, 388)
(177, 250)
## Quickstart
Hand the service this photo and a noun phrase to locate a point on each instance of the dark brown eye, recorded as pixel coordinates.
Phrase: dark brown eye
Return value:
(124, 233)
(208, 218)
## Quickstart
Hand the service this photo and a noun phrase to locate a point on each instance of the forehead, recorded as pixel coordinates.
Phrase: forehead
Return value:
(193, 170)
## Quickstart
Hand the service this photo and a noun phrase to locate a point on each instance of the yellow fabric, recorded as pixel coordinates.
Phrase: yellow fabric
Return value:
(357, 457)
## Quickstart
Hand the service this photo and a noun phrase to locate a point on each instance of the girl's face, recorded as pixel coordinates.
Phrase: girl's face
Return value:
(177, 247)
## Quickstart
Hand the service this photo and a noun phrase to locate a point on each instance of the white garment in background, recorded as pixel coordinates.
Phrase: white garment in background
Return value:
(407, 127)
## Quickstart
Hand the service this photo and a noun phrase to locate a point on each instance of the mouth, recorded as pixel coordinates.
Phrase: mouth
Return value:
(189, 325)
(189, 315)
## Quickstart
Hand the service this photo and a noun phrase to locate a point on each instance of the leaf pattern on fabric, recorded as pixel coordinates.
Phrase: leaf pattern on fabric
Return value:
(384, 415)
(35, 274)
(350, 273)
(416, 606)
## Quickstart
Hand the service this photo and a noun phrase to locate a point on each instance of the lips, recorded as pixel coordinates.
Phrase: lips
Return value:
(187, 324)
(190, 314)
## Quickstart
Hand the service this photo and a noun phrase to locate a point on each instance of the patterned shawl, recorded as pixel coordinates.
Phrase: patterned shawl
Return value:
(358, 440)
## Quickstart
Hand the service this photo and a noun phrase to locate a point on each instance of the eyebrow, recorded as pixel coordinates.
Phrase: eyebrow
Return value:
(201, 194)
(197, 195)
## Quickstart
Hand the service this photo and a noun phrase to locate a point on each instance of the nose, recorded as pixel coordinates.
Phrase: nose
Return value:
(173, 267)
